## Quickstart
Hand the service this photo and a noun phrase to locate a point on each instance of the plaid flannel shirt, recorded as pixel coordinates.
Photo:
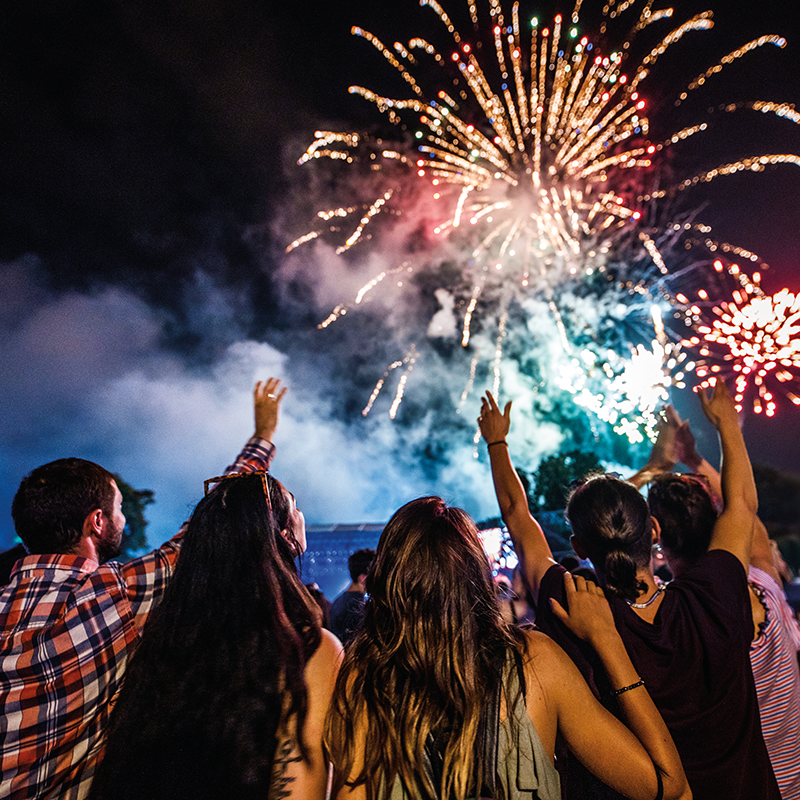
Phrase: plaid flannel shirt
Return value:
(67, 629)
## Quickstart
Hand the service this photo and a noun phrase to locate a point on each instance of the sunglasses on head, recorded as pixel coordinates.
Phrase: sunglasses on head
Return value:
(212, 483)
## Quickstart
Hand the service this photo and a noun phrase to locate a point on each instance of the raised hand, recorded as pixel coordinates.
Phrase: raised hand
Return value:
(720, 407)
(664, 454)
(494, 425)
(267, 398)
(685, 447)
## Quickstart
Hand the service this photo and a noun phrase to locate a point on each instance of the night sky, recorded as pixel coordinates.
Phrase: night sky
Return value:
(148, 187)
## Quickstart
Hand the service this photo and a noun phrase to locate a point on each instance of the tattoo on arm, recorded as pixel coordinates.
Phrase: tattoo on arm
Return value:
(280, 785)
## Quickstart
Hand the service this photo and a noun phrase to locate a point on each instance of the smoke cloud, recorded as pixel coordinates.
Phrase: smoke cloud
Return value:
(87, 374)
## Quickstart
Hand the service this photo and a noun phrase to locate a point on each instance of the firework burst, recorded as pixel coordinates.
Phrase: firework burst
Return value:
(753, 336)
(538, 170)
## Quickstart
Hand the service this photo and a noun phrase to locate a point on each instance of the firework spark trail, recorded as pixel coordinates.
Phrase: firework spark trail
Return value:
(408, 362)
(543, 156)
(342, 308)
(473, 365)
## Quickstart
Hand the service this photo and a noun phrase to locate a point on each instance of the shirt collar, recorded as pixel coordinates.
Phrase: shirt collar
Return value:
(63, 561)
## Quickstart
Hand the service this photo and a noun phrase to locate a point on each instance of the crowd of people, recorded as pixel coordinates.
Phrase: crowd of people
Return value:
(207, 669)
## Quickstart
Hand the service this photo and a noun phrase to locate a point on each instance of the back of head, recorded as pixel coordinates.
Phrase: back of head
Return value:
(53, 501)
(220, 667)
(610, 520)
(359, 563)
(685, 510)
(429, 564)
(433, 643)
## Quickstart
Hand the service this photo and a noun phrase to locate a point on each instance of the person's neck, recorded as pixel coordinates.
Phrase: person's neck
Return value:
(676, 564)
(650, 593)
(356, 586)
(86, 548)
(645, 575)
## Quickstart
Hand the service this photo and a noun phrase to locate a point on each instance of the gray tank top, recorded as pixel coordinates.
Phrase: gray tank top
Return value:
(523, 768)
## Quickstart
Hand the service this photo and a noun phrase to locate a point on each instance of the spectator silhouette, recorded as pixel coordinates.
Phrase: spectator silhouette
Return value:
(690, 642)
(227, 692)
(439, 697)
(347, 609)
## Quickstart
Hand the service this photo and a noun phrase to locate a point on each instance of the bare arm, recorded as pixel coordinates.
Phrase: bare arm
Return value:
(761, 555)
(529, 541)
(309, 779)
(662, 456)
(733, 530)
(761, 550)
(686, 453)
(626, 759)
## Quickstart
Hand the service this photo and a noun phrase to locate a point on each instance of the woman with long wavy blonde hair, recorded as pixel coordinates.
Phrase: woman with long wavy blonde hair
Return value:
(432, 654)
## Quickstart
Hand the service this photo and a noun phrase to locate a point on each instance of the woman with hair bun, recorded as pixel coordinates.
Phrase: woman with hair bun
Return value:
(612, 527)
(439, 697)
(689, 640)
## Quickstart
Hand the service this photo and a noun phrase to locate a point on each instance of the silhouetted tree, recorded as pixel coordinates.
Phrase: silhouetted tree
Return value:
(133, 504)
(555, 474)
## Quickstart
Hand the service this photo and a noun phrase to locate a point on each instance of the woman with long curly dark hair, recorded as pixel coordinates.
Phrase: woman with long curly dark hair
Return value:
(227, 692)
(409, 714)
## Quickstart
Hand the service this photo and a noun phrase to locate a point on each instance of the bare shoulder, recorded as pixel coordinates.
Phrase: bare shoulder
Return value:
(547, 661)
(540, 647)
(330, 648)
(543, 664)
(326, 658)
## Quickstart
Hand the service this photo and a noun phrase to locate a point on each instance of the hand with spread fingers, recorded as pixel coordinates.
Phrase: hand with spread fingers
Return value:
(267, 397)
(494, 425)
(719, 407)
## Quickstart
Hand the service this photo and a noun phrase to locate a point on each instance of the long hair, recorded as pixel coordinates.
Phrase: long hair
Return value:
(429, 654)
(684, 508)
(218, 675)
(610, 519)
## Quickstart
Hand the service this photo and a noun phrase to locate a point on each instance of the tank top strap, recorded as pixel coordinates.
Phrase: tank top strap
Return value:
(524, 769)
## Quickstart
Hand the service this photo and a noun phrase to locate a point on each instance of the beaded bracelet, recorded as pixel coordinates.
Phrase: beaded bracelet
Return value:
(636, 685)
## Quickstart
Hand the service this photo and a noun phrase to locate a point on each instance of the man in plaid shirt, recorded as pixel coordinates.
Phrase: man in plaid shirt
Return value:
(69, 622)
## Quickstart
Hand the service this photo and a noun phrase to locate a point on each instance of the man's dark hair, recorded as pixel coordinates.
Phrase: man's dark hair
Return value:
(53, 501)
(360, 562)
(684, 508)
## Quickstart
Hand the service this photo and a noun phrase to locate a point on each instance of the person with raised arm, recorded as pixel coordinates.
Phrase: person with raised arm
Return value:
(227, 692)
(439, 696)
(686, 507)
(689, 641)
(70, 618)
